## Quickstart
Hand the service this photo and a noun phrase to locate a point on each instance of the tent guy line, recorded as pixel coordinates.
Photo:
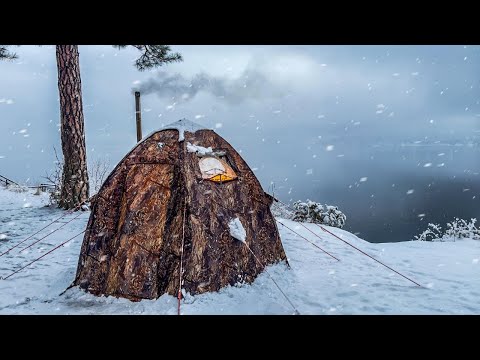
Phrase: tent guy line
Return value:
(371, 257)
(311, 242)
(296, 312)
(46, 226)
(40, 257)
(53, 231)
(353, 246)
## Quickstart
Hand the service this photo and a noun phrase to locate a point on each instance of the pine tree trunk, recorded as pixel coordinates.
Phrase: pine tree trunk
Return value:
(75, 187)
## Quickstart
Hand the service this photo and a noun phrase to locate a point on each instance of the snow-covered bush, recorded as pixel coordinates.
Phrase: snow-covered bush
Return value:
(281, 210)
(314, 212)
(456, 229)
(461, 229)
(334, 217)
(433, 232)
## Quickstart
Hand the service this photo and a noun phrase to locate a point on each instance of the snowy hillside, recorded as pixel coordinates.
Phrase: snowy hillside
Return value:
(316, 283)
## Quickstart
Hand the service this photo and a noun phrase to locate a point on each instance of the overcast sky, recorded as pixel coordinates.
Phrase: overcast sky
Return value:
(354, 126)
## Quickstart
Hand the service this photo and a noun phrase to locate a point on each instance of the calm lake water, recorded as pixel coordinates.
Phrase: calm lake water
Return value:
(391, 193)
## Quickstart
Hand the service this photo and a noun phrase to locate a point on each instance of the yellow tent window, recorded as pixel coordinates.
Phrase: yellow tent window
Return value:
(216, 169)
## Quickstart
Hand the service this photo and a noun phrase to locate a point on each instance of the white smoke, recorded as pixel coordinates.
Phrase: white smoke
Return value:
(251, 84)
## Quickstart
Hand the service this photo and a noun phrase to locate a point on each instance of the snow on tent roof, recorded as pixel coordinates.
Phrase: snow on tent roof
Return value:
(183, 125)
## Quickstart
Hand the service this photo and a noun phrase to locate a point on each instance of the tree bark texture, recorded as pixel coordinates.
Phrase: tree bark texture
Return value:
(75, 186)
(133, 244)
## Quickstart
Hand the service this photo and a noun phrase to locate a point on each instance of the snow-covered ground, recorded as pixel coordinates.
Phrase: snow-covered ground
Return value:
(315, 283)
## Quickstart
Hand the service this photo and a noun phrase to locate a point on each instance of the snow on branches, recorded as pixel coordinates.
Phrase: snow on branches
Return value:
(456, 229)
(317, 213)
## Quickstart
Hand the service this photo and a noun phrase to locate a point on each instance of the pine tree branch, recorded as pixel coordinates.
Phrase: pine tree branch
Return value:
(5, 54)
(153, 56)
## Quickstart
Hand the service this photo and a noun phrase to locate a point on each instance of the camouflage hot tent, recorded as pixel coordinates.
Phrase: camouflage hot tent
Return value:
(181, 197)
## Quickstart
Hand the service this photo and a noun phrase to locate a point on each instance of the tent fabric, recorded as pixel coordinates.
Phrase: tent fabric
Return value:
(157, 199)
